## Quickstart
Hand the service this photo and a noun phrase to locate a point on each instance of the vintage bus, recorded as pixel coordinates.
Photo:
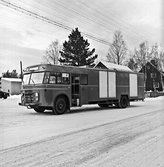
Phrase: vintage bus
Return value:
(58, 88)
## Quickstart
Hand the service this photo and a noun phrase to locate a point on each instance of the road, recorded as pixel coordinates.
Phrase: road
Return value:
(87, 136)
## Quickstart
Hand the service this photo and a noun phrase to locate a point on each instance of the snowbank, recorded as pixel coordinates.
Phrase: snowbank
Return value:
(14, 96)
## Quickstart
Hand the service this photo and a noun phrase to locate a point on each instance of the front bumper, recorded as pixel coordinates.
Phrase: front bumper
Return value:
(30, 98)
(29, 104)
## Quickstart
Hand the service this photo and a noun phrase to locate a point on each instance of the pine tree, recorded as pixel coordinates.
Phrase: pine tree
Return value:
(9, 74)
(76, 52)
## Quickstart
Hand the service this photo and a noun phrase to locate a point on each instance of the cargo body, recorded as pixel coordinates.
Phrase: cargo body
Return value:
(11, 85)
(61, 87)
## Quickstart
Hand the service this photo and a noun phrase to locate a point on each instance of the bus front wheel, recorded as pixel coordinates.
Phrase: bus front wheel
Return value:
(60, 106)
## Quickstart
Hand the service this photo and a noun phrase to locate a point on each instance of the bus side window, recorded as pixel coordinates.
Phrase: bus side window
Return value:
(84, 79)
(52, 78)
(65, 78)
(59, 78)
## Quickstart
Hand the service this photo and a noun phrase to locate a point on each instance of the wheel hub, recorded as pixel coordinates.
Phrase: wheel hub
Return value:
(60, 106)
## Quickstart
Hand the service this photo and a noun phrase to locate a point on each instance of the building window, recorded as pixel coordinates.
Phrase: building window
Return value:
(156, 84)
(153, 75)
(148, 67)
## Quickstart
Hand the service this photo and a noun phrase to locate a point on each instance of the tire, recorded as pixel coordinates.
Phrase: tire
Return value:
(124, 102)
(5, 96)
(60, 106)
(39, 109)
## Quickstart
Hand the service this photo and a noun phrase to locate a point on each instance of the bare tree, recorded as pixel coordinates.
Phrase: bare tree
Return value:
(143, 54)
(52, 53)
(117, 50)
(159, 58)
(131, 63)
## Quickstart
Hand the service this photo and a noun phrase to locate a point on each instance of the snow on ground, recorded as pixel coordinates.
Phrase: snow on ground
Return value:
(94, 137)
(24, 125)
(14, 96)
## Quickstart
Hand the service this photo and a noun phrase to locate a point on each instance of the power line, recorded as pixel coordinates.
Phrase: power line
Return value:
(76, 15)
(20, 24)
(85, 34)
(110, 19)
(103, 22)
(45, 19)
(67, 7)
(127, 26)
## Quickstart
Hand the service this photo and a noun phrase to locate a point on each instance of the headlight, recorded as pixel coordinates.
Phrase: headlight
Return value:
(36, 96)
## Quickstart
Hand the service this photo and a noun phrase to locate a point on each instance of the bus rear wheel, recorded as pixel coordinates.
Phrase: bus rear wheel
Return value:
(60, 106)
(124, 102)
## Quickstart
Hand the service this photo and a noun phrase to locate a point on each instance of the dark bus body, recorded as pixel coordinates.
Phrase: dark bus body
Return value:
(58, 88)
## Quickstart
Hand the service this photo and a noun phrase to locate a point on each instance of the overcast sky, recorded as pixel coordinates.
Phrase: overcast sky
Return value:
(25, 38)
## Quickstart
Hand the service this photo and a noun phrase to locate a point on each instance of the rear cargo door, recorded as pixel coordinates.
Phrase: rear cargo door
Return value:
(112, 84)
(103, 79)
(133, 85)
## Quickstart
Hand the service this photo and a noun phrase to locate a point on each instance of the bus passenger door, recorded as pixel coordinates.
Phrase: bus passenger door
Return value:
(75, 89)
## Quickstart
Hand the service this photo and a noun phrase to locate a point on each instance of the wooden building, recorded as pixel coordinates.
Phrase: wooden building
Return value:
(154, 78)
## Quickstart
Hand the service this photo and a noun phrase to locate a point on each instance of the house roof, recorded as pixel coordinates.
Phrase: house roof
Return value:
(162, 72)
(12, 79)
(113, 66)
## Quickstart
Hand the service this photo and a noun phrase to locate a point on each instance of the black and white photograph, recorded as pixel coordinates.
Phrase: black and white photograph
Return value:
(81, 83)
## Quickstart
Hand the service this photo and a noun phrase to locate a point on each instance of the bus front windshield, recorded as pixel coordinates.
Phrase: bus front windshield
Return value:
(33, 78)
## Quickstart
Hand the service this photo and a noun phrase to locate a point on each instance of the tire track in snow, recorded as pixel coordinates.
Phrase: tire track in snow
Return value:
(84, 146)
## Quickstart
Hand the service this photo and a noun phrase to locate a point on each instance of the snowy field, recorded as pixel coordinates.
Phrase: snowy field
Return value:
(86, 136)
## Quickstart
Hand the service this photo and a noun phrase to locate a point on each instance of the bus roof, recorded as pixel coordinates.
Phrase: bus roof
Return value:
(64, 68)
